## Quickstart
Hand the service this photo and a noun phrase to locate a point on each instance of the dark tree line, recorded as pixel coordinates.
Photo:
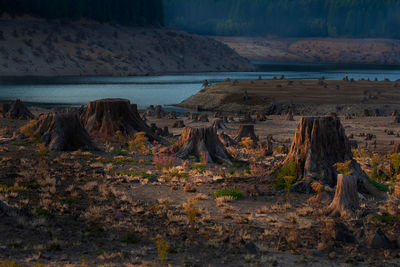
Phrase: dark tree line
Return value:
(292, 18)
(126, 12)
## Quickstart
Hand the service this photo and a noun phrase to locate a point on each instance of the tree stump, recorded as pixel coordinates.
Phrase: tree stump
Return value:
(345, 202)
(219, 124)
(103, 118)
(172, 115)
(159, 112)
(261, 117)
(289, 116)
(62, 131)
(267, 147)
(178, 124)
(15, 110)
(396, 119)
(203, 118)
(203, 143)
(194, 117)
(318, 144)
(246, 131)
(246, 118)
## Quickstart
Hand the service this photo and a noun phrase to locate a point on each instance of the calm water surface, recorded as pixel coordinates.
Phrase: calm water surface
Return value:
(166, 89)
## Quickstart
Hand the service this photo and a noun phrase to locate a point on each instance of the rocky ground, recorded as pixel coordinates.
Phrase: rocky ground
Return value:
(139, 206)
(317, 50)
(32, 47)
(308, 97)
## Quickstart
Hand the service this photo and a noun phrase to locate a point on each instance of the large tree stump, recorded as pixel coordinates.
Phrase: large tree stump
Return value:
(226, 140)
(15, 110)
(62, 131)
(103, 118)
(203, 143)
(318, 144)
(345, 202)
(246, 131)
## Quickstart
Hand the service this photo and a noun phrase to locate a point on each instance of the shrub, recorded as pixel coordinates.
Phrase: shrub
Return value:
(139, 143)
(191, 211)
(233, 193)
(164, 159)
(287, 173)
(162, 249)
(258, 170)
(200, 167)
(344, 168)
(394, 160)
(29, 130)
(247, 142)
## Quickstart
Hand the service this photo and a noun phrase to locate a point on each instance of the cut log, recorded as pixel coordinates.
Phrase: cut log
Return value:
(246, 131)
(319, 143)
(16, 110)
(103, 118)
(219, 124)
(345, 203)
(62, 131)
(203, 143)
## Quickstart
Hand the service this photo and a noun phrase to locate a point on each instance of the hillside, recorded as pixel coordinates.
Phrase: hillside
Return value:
(33, 47)
(317, 50)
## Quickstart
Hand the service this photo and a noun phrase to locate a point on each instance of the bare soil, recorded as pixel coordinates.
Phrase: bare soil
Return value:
(110, 207)
(317, 50)
(32, 47)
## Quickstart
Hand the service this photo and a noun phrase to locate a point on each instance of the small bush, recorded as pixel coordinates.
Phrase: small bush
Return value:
(344, 168)
(289, 170)
(246, 142)
(162, 249)
(200, 167)
(233, 193)
(139, 143)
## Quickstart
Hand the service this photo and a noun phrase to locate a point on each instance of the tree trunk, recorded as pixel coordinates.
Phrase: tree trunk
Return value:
(103, 118)
(203, 143)
(63, 131)
(246, 131)
(345, 202)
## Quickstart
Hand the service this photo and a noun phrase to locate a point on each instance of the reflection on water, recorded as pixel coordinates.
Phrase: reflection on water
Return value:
(166, 89)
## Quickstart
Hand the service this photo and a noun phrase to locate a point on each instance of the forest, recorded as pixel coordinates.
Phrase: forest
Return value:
(286, 18)
(125, 12)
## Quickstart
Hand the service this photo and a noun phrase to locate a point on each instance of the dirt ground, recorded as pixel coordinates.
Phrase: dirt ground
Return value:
(317, 50)
(308, 97)
(118, 207)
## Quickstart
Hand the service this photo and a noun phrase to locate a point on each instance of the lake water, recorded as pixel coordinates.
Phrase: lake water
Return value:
(166, 89)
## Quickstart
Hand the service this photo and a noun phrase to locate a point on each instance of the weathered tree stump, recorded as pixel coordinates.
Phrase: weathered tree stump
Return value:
(62, 131)
(246, 118)
(194, 117)
(159, 112)
(246, 131)
(178, 124)
(268, 147)
(319, 143)
(203, 118)
(261, 117)
(203, 143)
(15, 110)
(396, 119)
(345, 202)
(289, 116)
(365, 113)
(395, 149)
(219, 124)
(172, 115)
(103, 118)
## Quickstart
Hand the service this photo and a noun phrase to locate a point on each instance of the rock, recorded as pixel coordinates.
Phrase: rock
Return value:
(379, 240)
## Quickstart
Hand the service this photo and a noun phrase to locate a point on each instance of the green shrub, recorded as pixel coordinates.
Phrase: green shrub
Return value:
(233, 193)
(287, 175)
(344, 167)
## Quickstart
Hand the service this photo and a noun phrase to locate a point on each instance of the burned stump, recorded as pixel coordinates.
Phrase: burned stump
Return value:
(246, 131)
(203, 143)
(178, 124)
(62, 131)
(103, 118)
(15, 110)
